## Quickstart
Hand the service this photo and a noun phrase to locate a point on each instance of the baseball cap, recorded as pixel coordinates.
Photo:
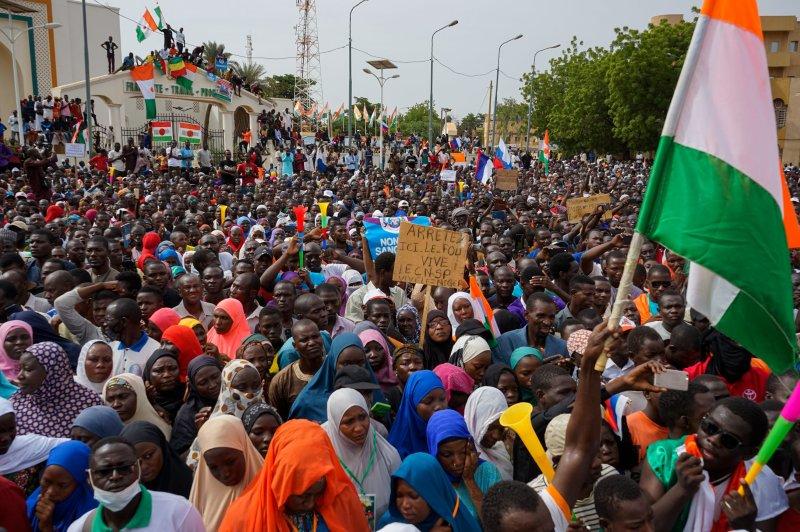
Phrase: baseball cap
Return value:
(261, 251)
(355, 377)
(402, 203)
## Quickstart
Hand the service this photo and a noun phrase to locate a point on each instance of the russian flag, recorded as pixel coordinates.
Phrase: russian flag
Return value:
(455, 144)
(384, 127)
(613, 410)
(483, 170)
(502, 153)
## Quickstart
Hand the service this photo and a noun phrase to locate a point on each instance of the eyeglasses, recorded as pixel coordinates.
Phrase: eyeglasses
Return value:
(437, 323)
(661, 284)
(726, 439)
(106, 472)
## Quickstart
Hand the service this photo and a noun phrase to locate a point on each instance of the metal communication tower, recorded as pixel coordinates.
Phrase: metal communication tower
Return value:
(308, 80)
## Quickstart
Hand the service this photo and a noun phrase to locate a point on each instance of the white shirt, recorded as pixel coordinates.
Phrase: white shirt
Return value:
(613, 371)
(180, 37)
(252, 319)
(204, 158)
(658, 326)
(174, 157)
(119, 164)
(170, 512)
(128, 360)
(39, 304)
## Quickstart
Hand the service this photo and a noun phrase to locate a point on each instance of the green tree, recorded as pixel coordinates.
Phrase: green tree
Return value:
(250, 73)
(511, 116)
(641, 78)
(214, 49)
(281, 86)
(471, 124)
(415, 120)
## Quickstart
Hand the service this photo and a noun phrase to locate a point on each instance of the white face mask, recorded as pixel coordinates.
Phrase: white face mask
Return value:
(116, 500)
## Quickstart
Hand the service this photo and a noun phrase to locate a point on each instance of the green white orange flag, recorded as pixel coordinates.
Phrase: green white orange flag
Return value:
(146, 25)
(717, 195)
(143, 76)
(544, 152)
(187, 79)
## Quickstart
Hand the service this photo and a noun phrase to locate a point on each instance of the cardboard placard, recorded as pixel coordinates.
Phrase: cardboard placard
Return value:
(74, 149)
(429, 255)
(578, 207)
(506, 178)
(448, 176)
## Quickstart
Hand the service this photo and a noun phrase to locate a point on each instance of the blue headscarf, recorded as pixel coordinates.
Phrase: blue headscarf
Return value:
(73, 456)
(240, 220)
(6, 388)
(170, 253)
(101, 420)
(312, 403)
(423, 473)
(43, 332)
(444, 425)
(408, 430)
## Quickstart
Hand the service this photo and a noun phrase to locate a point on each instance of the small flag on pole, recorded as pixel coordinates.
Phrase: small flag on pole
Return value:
(146, 25)
(544, 152)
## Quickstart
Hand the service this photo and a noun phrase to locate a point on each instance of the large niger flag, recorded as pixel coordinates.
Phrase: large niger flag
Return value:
(717, 195)
(143, 75)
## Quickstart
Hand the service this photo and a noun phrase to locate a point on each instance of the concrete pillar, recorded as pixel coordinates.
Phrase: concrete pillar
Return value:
(115, 120)
(228, 130)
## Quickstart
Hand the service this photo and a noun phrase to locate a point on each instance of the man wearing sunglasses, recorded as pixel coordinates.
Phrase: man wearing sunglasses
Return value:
(658, 280)
(114, 474)
(694, 481)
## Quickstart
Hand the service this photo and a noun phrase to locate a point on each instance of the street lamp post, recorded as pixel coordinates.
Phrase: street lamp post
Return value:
(497, 85)
(12, 37)
(530, 98)
(381, 81)
(430, 99)
(350, 74)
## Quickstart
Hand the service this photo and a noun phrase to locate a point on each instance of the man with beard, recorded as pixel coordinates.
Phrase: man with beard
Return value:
(291, 380)
(540, 314)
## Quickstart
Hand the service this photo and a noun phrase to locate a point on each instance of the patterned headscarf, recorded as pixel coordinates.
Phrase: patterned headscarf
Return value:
(417, 328)
(51, 409)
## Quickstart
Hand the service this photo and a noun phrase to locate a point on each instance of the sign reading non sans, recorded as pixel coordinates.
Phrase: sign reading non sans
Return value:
(577, 208)
(429, 255)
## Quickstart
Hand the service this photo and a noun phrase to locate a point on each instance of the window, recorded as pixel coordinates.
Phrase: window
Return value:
(780, 112)
(773, 46)
(792, 46)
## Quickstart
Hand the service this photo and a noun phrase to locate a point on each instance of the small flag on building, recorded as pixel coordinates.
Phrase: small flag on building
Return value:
(177, 67)
(146, 25)
(143, 75)
(162, 131)
(188, 132)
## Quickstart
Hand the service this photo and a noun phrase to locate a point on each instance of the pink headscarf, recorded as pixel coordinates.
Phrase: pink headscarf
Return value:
(229, 342)
(90, 215)
(8, 365)
(385, 375)
(454, 379)
(164, 317)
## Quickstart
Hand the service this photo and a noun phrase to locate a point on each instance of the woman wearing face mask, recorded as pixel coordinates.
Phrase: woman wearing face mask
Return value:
(162, 469)
(162, 379)
(423, 395)
(482, 415)
(126, 394)
(423, 496)
(95, 364)
(227, 463)
(15, 337)
(204, 378)
(367, 458)
(49, 399)
(301, 487)
(230, 327)
(261, 420)
(64, 493)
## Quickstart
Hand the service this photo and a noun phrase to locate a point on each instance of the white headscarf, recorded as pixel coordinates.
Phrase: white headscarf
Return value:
(351, 277)
(477, 311)
(483, 408)
(82, 377)
(26, 450)
(470, 347)
(377, 479)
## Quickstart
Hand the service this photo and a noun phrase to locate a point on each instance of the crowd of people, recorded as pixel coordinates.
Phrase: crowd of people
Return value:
(177, 353)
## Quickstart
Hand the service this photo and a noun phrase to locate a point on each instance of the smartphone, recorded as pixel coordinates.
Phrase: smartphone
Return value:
(672, 379)
(380, 409)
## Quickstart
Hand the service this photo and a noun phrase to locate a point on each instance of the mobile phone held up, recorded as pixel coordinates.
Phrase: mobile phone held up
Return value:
(672, 379)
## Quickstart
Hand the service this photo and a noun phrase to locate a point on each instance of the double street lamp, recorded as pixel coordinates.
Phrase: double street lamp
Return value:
(497, 85)
(530, 98)
(430, 100)
(381, 65)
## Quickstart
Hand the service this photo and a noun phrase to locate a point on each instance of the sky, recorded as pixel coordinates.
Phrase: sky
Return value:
(401, 31)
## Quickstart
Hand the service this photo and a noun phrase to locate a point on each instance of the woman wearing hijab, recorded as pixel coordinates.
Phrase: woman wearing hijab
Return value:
(204, 379)
(64, 493)
(450, 442)
(438, 339)
(301, 488)
(182, 342)
(460, 307)
(195, 325)
(49, 399)
(421, 477)
(354, 281)
(161, 468)
(423, 395)
(126, 394)
(15, 337)
(53, 212)
(260, 421)
(365, 455)
(23, 458)
(95, 423)
(341, 284)
(408, 324)
(159, 321)
(43, 332)
(482, 416)
(312, 403)
(150, 242)
(406, 360)
(473, 355)
(457, 385)
(95, 363)
(217, 483)
(162, 373)
(230, 327)
(502, 377)
(379, 358)
(6, 388)
(524, 361)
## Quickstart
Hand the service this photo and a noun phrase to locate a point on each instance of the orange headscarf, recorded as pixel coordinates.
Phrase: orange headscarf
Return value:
(230, 341)
(188, 346)
(299, 455)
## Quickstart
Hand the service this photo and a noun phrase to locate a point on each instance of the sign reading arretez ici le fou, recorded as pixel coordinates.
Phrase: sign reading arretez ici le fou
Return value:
(429, 255)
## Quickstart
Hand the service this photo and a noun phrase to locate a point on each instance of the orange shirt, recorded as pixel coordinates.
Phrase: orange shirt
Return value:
(247, 136)
(644, 431)
(752, 385)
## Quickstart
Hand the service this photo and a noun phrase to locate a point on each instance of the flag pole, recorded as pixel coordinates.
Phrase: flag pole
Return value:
(670, 124)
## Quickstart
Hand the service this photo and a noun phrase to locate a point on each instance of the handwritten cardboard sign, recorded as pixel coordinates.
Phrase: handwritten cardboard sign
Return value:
(449, 176)
(578, 207)
(429, 255)
(506, 178)
(74, 149)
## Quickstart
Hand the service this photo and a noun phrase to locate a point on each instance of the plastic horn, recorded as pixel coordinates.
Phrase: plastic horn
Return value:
(222, 210)
(518, 419)
(323, 207)
(786, 420)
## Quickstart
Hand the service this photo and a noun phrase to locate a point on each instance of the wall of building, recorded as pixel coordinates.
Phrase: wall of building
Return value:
(22, 49)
